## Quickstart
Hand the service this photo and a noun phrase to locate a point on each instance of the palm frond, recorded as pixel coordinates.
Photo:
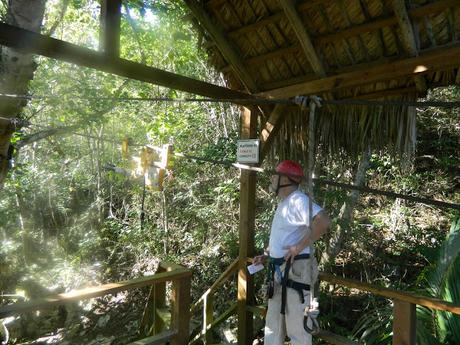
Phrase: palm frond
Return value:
(449, 251)
(349, 129)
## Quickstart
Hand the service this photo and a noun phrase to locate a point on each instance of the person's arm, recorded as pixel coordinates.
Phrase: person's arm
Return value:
(319, 227)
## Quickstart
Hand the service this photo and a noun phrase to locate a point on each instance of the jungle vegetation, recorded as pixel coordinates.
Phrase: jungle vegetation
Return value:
(68, 221)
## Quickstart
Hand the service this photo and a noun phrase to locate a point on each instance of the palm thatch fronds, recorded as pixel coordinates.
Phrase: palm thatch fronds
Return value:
(350, 130)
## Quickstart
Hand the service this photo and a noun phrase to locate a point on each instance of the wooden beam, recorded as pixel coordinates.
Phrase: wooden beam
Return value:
(30, 42)
(404, 323)
(409, 38)
(271, 128)
(246, 234)
(303, 37)
(109, 39)
(441, 58)
(227, 50)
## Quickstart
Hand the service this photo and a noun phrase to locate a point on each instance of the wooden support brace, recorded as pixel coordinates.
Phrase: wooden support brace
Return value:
(271, 128)
(303, 37)
(109, 39)
(404, 320)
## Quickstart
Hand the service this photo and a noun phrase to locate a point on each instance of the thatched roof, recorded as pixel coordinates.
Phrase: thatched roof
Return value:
(338, 49)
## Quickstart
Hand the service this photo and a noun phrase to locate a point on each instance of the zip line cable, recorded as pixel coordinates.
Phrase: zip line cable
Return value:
(274, 101)
(354, 102)
(230, 164)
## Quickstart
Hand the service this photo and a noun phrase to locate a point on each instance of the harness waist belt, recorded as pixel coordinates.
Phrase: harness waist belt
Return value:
(274, 264)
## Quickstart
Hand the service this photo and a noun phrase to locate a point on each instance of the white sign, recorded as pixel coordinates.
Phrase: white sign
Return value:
(248, 151)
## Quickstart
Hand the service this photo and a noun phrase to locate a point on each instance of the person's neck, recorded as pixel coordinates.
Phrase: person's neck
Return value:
(285, 192)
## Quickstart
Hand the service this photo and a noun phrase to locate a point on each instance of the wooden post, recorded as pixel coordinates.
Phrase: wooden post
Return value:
(246, 235)
(180, 311)
(404, 320)
(159, 302)
(208, 317)
(109, 37)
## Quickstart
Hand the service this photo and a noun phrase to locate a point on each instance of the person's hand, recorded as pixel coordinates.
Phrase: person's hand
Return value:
(291, 253)
(259, 259)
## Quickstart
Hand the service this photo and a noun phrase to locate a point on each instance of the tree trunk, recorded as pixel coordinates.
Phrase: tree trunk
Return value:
(346, 212)
(16, 70)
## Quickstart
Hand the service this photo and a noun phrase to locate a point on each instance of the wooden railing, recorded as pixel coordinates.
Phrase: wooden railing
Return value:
(178, 331)
(404, 310)
(404, 306)
(207, 299)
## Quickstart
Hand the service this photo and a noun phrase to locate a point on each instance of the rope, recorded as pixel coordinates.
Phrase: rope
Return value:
(255, 100)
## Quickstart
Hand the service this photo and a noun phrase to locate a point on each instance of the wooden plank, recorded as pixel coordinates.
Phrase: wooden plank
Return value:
(30, 42)
(246, 234)
(303, 37)
(180, 306)
(156, 339)
(271, 128)
(441, 58)
(91, 292)
(404, 323)
(109, 39)
(222, 279)
(228, 52)
(413, 298)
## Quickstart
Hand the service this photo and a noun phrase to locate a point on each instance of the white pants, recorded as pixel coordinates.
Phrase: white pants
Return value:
(277, 326)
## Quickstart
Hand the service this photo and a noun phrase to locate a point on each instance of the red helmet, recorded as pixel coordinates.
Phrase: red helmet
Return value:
(290, 168)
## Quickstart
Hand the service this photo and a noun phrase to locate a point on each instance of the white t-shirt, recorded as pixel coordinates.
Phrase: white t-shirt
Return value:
(290, 216)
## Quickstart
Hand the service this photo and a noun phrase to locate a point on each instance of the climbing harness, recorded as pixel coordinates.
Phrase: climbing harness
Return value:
(274, 267)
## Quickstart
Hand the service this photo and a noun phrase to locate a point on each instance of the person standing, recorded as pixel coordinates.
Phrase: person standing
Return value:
(292, 268)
